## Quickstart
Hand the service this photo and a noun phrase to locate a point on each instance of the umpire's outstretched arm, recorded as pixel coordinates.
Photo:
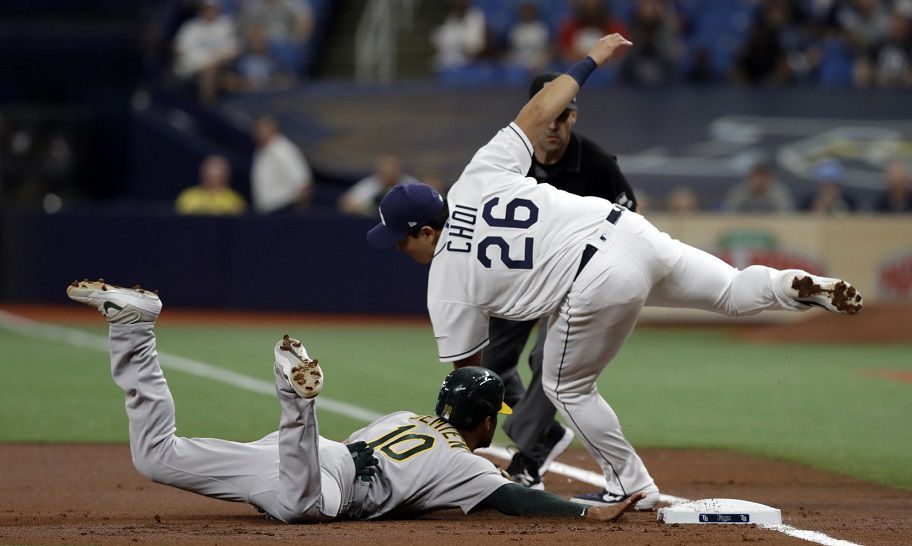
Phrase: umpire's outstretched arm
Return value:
(548, 103)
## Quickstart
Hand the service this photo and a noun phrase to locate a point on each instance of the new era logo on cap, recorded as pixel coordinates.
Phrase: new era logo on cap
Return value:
(404, 208)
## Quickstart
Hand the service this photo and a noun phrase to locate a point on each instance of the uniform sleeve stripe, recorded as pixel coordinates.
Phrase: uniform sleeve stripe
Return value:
(465, 353)
(521, 138)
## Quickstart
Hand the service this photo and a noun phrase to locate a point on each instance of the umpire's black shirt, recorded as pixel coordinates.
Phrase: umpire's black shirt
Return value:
(586, 170)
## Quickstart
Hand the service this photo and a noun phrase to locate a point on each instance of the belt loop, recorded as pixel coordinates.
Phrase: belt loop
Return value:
(614, 215)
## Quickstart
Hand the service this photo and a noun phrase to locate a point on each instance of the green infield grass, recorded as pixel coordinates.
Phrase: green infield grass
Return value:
(819, 405)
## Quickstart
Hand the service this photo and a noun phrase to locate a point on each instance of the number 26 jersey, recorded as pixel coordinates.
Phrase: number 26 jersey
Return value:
(510, 248)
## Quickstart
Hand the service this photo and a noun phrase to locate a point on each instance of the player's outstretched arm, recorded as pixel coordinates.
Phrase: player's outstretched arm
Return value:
(614, 511)
(515, 500)
(548, 103)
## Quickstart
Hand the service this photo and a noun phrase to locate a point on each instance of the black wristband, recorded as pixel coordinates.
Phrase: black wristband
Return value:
(581, 70)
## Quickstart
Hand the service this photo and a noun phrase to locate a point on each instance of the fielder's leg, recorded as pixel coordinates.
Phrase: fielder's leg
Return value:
(700, 280)
(585, 333)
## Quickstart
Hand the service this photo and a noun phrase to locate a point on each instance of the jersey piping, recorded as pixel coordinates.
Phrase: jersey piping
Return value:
(469, 352)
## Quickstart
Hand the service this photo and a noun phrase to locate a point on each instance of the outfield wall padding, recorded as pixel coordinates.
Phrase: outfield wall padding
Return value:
(322, 262)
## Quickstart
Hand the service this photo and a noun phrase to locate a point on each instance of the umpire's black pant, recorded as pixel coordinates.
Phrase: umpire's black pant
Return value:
(532, 422)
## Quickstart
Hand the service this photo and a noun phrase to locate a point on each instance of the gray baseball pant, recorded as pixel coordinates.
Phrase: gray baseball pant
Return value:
(293, 474)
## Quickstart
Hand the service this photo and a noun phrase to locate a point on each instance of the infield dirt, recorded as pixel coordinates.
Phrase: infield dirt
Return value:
(54, 494)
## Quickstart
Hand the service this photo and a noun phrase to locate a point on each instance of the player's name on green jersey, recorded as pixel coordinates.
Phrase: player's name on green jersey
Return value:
(452, 436)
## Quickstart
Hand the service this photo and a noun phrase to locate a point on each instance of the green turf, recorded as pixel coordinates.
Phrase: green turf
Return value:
(814, 404)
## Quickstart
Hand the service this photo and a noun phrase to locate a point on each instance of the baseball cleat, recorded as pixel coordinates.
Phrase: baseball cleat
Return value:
(117, 304)
(524, 471)
(302, 373)
(605, 498)
(833, 295)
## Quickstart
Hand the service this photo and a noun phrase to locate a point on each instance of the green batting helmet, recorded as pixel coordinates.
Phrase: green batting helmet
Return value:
(470, 394)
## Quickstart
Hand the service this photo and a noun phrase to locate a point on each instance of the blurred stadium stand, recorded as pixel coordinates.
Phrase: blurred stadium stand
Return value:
(95, 140)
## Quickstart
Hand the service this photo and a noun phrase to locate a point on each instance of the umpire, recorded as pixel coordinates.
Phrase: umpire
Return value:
(575, 164)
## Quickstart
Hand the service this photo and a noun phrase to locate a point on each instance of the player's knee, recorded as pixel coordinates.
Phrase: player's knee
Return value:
(149, 463)
(299, 514)
(150, 467)
(746, 293)
(555, 390)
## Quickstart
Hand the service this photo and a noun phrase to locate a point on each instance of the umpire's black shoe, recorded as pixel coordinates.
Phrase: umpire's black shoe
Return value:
(524, 471)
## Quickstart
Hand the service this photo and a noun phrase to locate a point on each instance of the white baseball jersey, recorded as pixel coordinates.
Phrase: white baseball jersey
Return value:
(424, 465)
(510, 248)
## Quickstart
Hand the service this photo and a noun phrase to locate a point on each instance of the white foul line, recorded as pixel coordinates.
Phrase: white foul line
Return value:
(78, 338)
(198, 368)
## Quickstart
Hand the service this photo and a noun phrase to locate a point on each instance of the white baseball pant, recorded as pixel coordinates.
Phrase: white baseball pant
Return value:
(636, 265)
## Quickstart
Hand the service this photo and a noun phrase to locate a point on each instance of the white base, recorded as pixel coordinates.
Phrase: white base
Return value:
(720, 511)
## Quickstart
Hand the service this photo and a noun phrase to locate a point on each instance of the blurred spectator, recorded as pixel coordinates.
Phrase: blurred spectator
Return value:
(462, 37)
(256, 69)
(203, 49)
(862, 25)
(281, 178)
(656, 45)
(364, 196)
(529, 40)
(701, 69)
(213, 195)
(889, 63)
(897, 196)
(829, 198)
(759, 193)
(865, 21)
(683, 201)
(590, 21)
(288, 25)
(762, 58)
(796, 36)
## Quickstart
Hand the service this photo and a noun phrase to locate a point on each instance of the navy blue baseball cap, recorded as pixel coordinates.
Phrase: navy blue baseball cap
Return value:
(403, 210)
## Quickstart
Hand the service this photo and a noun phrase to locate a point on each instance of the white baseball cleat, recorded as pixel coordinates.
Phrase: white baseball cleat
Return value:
(605, 498)
(834, 295)
(118, 305)
(302, 373)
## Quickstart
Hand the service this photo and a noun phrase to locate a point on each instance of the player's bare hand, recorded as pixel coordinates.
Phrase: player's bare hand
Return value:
(614, 511)
(606, 47)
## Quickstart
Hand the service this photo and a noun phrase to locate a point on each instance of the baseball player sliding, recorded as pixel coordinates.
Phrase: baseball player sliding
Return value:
(401, 464)
(503, 246)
